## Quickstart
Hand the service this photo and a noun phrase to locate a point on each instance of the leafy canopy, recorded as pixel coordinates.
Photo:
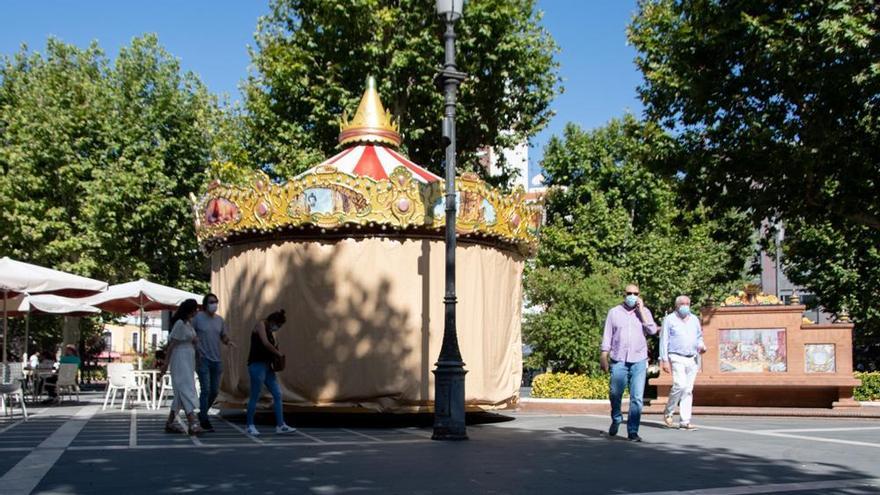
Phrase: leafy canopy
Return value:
(313, 56)
(610, 221)
(776, 109)
(98, 160)
(776, 104)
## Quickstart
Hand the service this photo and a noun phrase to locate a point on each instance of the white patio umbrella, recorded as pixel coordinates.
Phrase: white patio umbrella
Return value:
(26, 305)
(18, 277)
(140, 295)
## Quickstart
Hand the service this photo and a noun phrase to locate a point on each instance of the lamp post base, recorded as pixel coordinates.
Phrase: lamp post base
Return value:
(449, 417)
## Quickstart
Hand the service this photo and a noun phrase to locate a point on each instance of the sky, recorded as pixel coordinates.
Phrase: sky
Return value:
(211, 38)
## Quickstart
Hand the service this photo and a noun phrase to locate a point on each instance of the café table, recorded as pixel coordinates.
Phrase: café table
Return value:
(153, 376)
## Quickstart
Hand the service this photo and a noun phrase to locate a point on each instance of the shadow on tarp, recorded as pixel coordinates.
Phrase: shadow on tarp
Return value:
(361, 420)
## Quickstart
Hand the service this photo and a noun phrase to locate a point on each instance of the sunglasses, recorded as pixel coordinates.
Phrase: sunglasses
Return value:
(632, 293)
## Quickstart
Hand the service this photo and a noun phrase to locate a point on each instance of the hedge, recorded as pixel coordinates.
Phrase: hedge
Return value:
(870, 387)
(569, 386)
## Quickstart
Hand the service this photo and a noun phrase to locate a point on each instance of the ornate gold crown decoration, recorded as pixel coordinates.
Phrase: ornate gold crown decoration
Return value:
(326, 200)
(331, 202)
(751, 296)
(371, 122)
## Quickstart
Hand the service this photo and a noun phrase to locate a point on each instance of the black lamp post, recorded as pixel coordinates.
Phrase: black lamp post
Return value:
(449, 418)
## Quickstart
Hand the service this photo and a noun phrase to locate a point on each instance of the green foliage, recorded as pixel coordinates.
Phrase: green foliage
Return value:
(776, 114)
(564, 334)
(570, 386)
(870, 387)
(98, 159)
(312, 57)
(611, 220)
(841, 263)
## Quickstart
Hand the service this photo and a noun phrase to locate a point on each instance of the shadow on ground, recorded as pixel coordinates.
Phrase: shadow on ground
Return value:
(499, 458)
(361, 420)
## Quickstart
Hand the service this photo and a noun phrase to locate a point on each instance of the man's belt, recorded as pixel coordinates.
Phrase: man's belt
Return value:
(683, 355)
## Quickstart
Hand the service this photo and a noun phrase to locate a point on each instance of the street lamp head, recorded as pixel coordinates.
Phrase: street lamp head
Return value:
(450, 9)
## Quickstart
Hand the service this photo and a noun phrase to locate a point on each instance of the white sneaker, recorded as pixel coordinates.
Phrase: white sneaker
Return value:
(252, 430)
(284, 429)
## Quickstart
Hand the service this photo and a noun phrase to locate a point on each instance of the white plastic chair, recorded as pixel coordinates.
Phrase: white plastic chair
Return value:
(66, 383)
(121, 376)
(11, 378)
(166, 387)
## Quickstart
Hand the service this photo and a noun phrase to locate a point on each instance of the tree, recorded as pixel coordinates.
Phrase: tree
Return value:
(610, 221)
(842, 264)
(312, 57)
(775, 106)
(98, 160)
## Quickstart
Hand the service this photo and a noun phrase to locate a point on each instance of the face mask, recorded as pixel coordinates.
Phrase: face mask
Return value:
(212, 307)
(631, 300)
(273, 328)
(684, 310)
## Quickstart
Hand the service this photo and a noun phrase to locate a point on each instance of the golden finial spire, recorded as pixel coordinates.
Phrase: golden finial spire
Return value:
(371, 122)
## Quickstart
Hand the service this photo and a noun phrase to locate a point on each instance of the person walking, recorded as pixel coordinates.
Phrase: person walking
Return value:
(263, 353)
(211, 330)
(625, 354)
(181, 358)
(681, 342)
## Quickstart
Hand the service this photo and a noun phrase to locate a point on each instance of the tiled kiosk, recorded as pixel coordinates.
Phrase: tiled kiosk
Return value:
(762, 353)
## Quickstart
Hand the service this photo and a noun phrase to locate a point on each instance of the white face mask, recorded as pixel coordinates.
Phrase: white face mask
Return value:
(212, 307)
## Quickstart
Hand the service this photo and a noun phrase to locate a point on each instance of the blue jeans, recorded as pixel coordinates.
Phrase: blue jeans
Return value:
(632, 374)
(261, 373)
(209, 382)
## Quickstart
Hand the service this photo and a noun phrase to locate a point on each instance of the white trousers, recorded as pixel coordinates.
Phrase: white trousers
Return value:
(684, 372)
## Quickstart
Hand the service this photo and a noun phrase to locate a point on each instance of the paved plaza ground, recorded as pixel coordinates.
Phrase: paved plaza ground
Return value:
(81, 449)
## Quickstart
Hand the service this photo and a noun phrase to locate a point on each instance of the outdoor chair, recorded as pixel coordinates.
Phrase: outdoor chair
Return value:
(66, 383)
(121, 376)
(168, 387)
(11, 380)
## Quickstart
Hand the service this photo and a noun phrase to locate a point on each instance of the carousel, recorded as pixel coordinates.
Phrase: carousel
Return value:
(353, 250)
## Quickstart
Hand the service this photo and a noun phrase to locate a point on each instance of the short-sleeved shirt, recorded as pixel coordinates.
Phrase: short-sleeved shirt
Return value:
(70, 360)
(209, 329)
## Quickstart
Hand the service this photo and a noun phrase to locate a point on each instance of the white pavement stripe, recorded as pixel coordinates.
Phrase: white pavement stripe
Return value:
(241, 430)
(769, 434)
(798, 437)
(418, 433)
(362, 435)
(133, 430)
(774, 488)
(315, 439)
(26, 475)
(13, 425)
(819, 430)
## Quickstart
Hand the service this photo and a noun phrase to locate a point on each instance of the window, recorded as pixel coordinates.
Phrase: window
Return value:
(155, 341)
(134, 341)
(108, 341)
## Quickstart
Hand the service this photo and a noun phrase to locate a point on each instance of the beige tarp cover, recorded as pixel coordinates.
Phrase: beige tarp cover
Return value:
(365, 319)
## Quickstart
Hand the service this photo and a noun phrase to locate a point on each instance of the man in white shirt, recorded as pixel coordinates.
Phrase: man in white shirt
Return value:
(681, 341)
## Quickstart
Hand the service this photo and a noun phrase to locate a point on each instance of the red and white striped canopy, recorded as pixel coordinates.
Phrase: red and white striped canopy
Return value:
(376, 161)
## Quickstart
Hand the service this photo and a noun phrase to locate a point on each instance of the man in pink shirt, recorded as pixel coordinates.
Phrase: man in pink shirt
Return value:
(625, 354)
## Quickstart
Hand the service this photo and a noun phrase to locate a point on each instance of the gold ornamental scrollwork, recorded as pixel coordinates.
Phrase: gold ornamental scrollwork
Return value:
(331, 200)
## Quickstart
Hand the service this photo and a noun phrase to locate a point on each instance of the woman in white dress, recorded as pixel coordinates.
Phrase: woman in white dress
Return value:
(181, 357)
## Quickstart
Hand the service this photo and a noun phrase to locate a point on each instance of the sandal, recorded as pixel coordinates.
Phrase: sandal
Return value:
(173, 428)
